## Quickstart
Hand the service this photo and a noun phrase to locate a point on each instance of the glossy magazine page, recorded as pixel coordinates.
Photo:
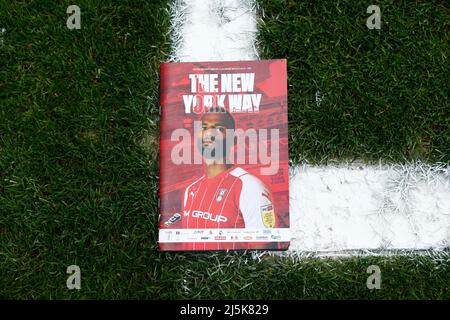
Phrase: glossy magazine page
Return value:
(224, 171)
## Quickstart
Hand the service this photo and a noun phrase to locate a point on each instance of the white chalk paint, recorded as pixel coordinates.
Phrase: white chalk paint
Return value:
(335, 210)
(213, 30)
(370, 207)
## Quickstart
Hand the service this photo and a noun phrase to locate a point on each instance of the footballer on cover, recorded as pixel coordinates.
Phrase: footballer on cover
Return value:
(224, 180)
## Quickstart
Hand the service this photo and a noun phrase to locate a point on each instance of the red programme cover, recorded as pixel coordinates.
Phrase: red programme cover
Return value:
(224, 181)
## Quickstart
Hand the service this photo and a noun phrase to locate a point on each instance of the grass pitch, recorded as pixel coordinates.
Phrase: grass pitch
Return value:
(79, 145)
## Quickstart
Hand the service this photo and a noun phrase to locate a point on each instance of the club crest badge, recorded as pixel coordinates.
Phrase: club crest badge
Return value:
(221, 194)
(268, 215)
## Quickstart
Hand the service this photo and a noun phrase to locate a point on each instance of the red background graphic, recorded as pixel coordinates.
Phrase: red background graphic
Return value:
(270, 81)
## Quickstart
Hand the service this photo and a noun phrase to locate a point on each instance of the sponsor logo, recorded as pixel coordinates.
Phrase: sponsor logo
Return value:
(198, 231)
(206, 216)
(221, 194)
(248, 238)
(234, 238)
(205, 238)
(175, 218)
(262, 237)
(220, 238)
(275, 237)
(268, 215)
(267, 231)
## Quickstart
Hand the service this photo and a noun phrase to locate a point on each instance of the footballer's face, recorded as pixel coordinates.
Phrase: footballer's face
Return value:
(213, 135)
(213, 127)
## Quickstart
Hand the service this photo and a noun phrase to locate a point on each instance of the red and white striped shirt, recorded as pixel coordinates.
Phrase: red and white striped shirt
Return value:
(232, 199)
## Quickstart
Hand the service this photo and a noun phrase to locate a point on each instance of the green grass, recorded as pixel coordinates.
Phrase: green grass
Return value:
(79, 162)
(385, 92)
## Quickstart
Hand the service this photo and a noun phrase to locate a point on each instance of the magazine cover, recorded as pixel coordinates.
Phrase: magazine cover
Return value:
(224, 171)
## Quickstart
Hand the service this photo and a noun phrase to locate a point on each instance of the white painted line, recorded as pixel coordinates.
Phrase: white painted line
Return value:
(213, 30)
(355, 207)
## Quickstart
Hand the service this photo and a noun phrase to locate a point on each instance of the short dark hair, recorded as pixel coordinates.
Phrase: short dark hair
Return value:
(223, 112)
